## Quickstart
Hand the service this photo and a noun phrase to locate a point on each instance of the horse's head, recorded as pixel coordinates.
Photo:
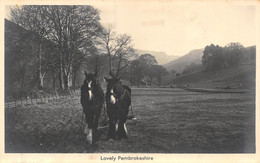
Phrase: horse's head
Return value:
(90, 82)
(114, 88)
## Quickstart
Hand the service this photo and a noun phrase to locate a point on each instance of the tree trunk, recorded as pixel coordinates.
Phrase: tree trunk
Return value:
(70, 77)
(53, 80)
(67, 79)
(40, 75)
(74, 78)
(61, 72)
(21, 81)
(40, 84)
(110, 64)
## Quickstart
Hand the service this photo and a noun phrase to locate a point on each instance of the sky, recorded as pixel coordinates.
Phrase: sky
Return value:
(177, 28)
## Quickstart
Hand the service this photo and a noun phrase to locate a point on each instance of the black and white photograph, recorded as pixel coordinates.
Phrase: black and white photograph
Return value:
(128, 80)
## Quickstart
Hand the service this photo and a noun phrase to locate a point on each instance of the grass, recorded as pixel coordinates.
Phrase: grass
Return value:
(168, 121)
(234, 78)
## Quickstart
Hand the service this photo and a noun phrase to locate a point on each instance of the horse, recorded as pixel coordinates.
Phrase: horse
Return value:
(92, 98)
(118, 100)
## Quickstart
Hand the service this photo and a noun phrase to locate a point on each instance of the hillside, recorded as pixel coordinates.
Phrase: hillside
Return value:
(242, 77)
(161, 57)
(21, 64)
(179, 64)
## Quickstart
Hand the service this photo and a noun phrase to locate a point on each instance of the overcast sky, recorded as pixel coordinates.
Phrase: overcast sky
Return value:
(177, 28)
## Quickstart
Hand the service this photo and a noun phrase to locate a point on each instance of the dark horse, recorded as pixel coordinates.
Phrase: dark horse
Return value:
(118, 100)
(92, 98)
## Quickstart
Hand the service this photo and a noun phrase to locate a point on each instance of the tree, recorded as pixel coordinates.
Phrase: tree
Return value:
(159, 72)
(135, 72)
(140, 70)
(20, 67)
(233, 53)
(213, 57)
(118, 48)
(32, 18)
(73, 29)
(192, 68)
(147, 61)
(216, 57)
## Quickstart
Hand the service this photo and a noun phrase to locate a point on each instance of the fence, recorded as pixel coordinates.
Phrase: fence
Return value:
(39, 99)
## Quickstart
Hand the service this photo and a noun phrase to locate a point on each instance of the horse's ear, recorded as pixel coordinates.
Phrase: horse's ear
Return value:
(106, 79)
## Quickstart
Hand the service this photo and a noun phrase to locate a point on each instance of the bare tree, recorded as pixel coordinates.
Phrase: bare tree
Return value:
(72, 28)
(118, 48)
(32, 18)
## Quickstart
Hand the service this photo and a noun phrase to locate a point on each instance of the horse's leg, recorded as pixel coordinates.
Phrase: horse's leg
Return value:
(95, 125)
(95, 122)
(122, 130)
(85, 111)
(88, 129)
(111, 129)
(112, 118)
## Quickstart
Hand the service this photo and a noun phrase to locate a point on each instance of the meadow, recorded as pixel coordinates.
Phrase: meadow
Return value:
(167, 121)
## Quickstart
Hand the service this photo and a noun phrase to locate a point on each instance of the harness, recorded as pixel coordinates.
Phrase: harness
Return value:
(120, 97)
(131, 117)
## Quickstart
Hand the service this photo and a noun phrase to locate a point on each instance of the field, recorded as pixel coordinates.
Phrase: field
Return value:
(241, 77)
(168, 121)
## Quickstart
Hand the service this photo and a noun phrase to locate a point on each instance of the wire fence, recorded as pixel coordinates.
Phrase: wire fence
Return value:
(40, 98)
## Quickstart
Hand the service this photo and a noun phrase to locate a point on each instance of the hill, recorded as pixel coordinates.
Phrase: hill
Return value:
(161, 57)
(241, 77)
(21, 62)
(179, 64)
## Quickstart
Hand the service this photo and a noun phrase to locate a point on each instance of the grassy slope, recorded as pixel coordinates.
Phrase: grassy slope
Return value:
(239, 77)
